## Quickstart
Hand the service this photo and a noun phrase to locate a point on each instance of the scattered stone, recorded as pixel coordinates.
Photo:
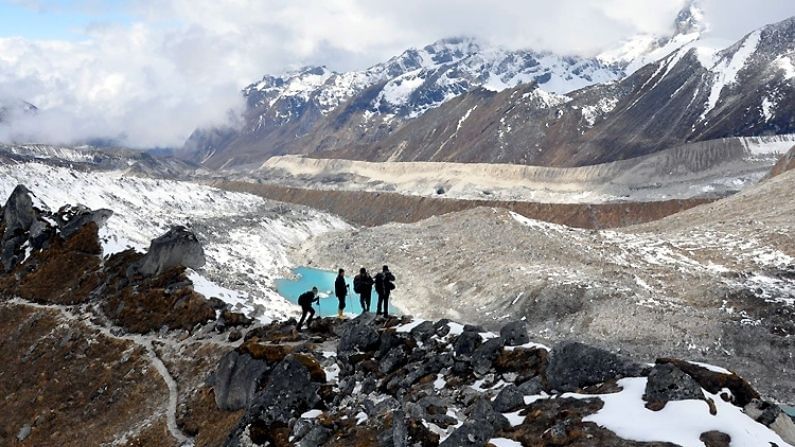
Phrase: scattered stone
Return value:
(714, 382)
(423, 331)
(471, 434)
(466, 343)
(667, 382)
(574, 365)
(485, 354)
(515, 333)
(509, 399)
(715, 439)
(24, 432)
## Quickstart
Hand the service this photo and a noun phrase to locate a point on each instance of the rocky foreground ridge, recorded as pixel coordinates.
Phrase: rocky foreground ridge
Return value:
(120, 350)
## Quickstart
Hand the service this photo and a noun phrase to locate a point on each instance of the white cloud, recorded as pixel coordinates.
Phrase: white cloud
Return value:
(180, 64)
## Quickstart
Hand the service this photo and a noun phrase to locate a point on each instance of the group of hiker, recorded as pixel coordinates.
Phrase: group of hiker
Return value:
(363, 284)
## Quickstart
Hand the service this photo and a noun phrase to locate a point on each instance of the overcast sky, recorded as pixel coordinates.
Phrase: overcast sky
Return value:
(149, 72)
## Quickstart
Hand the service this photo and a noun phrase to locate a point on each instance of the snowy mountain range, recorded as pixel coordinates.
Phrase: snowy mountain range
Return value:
(419, 105)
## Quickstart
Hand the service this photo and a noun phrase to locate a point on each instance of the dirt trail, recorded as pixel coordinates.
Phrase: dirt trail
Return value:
(140, 340)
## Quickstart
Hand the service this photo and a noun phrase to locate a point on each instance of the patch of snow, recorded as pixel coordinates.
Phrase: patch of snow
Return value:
(712, 368)
(404, 328)
(680, 422)
(311, 414)
(504, 442)
(514, 418)
(725, 71)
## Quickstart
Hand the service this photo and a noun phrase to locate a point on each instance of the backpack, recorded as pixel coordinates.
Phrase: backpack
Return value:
(357, 284)
(306, 298)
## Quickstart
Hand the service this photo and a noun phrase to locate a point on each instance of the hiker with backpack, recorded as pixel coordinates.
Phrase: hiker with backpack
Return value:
(341, 290)
(384, 285)
(363, 285)
(305, 300)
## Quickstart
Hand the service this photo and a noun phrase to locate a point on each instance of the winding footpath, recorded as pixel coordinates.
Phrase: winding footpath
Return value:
(140, 340)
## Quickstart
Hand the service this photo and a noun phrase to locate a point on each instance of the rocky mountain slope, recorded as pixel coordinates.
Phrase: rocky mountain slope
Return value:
(121, 350)
(689, 95)
(713, 282)
(315, 109)
(246, 238)
(456, 101)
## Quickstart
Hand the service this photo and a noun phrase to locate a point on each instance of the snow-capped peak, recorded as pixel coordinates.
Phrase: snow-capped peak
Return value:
(643, 49)
(690, 19)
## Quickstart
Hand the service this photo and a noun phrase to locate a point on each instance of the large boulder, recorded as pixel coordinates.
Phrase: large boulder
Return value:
(515, 333)
(18, 216)
(667, 382)
(357, 334)
(289, 392)
(82, 216)
(18, 212)
(178, 247)
(574, 365)
(466, 343)
(483, 410)
(236, 379)
(484, 356)
(509, 399)
(474, 433)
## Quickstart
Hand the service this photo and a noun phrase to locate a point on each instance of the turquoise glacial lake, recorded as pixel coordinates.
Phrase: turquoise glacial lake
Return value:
(307, 277)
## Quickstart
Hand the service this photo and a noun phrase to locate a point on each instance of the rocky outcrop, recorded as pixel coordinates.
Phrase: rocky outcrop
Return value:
(575, 365)
(666, 383)
(177, 247)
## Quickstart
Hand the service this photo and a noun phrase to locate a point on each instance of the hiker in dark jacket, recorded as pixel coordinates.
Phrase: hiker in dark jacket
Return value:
(341, 290)
(384, 284)
(305, 301)
(363, 285)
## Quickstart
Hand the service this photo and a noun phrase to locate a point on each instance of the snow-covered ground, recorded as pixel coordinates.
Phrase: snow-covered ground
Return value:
(246, 238)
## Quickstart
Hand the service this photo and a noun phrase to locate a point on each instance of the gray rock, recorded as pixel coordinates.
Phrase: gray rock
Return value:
(483, 410)
(484, 355)
(509, 399)
(357, 335)
(24, 432)
(772, 416)
(178, 247)
(531, 387)
(575, 365)
(396, 358)
(466, 343)
(18, 217)
(515, 333)
(317, 436)
(473, 328)
(423, 331)
(236, 379)
(83, 218)
(667, 382)
(471, 434)
(400, 434)
(18, 212)
(289, 392)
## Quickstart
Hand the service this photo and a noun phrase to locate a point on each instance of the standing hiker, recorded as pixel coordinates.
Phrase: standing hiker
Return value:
(341, 290)
(305, 301)
(384, 285)
(363, 285)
